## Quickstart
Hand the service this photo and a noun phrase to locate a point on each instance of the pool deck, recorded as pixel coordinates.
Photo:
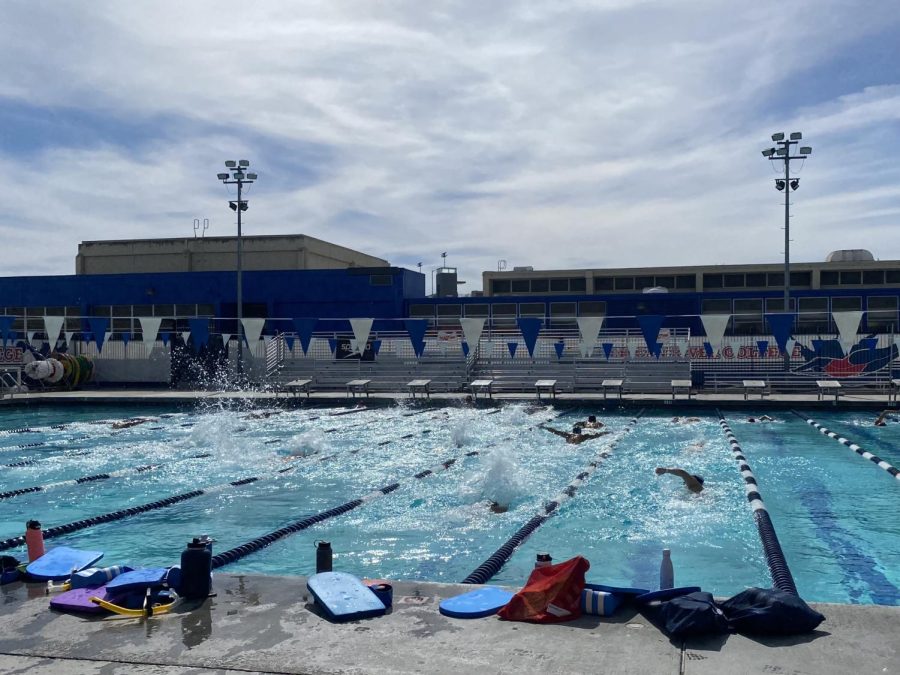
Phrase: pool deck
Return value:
(268, 624)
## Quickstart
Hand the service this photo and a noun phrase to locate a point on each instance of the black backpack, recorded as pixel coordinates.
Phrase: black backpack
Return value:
(692, 615)
(768, 611)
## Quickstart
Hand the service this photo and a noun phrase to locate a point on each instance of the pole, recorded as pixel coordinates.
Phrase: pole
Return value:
(787, 239)
(240, 294)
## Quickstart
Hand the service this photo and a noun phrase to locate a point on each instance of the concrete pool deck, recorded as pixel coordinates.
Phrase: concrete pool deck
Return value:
(268, 624)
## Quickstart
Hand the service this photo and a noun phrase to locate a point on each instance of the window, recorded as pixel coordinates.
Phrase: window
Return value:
(476, 310)
(500, 286)
(380, 280)
(756, 280)
(559, 285)
(163, 310)
(774, 305)
(712, 281)
(882, 314)
(775, 279)
(799, 279)
(686, 281)
(814, 317)
(603, 284)
(187, 310)
(449, 310)
(846, 304)
(873, 277)
(55, 311)
(592, 308)
(532, 309)
(733, 280)
(624, 283)
(521, 286)
(503, 309)
(892, 276)
(829, 278)
(849, 278)
(421, 311)
(577, 285)
(668, 282)
(643, 282)
(202, 310)
(748, 317)
(540, 285)
(558, 309)
(717, 306)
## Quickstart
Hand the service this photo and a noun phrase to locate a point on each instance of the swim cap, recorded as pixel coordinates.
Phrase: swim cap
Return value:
(699, 478)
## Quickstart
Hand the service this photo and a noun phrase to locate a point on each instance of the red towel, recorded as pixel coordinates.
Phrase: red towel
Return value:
(552, 594)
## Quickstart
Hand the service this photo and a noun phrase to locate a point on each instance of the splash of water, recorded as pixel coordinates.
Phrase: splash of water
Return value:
(502, 482)
(305, 444)
(460, 435)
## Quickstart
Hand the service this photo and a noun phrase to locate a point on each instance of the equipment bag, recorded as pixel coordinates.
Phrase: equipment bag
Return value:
(691, 615)
(769, 611)
(552, 594)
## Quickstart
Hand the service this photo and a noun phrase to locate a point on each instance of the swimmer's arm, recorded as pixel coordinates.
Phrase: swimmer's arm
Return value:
(554, 431)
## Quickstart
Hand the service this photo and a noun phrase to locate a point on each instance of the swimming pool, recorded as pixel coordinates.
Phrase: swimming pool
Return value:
(834, 512)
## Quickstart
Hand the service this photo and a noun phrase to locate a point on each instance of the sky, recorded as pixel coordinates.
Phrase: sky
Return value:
(552, 133)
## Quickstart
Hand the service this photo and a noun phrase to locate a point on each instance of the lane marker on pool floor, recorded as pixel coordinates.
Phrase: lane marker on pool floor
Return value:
(498, 558)
(778, 567)
(875, 459)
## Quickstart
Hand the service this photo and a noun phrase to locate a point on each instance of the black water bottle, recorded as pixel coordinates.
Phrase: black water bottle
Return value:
(196, 569)
(323, 556)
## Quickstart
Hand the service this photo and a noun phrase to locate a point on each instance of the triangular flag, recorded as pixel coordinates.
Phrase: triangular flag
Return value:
(897, 344)
(781, 326)
(252, 330)
(6, 323)
(289, 342)
(735, 345)
(472, 329)
(305, 328)
(560, 348)
(465, 348)
(69, 335)
(650, 325)
(416, 329)
(607, 349)
(150, 327)
(267, 340)
(29, 336)
(530, 328)
(126, 338)
(200, 331)
(790, 347)
(376, 347)
(361, 329)
(847, 324)
(589, 327)
(332, 345)
(714, 325)
(763, 346)
(185, 336)
(226, 338)
(99, 326)
(52, 326)
(165, 338)
(657, 349)
(512, 348)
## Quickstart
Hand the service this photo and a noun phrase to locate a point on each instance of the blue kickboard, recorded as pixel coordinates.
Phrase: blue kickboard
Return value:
(344, 597)
(476, 604)
(137, 580)
(665, 594)
(59, 562)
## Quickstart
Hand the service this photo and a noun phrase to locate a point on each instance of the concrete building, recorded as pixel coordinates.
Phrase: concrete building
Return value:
(217, 254)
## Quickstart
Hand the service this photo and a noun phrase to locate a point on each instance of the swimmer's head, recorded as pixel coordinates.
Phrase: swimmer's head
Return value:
(699, 479)
(576, 429)
(592, 418)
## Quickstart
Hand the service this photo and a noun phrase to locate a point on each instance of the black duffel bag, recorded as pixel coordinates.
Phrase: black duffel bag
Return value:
(769, 611)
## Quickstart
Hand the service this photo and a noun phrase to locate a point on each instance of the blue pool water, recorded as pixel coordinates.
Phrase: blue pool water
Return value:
(835, 513)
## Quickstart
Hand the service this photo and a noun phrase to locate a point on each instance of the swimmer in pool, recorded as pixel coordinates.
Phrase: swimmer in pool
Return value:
(575, 436)
(498, 508)
(133, 422)
(763, 418)
(685, 420)
(696, 446)
(692, 482)
(262, 415)
(592, 423)
(881, 420)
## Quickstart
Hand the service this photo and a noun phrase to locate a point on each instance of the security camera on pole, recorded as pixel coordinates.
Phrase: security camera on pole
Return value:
(239, 174)
(783, 154)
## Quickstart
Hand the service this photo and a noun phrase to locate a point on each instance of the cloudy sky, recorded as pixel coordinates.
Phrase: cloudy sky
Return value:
(552, 133)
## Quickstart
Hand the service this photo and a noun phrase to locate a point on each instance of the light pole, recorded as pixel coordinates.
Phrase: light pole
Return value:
(239, 174)
(783, 154)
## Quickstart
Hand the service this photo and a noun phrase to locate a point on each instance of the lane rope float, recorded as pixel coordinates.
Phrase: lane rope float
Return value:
(875, 459)
(775, 560)
(498, 558)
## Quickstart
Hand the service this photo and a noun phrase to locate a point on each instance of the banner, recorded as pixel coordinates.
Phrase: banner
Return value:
(715, 325)
(252, 330)
(226, 338)
(332, 345)
(607, 349)
(416, 329)
(69, 335)
(288, 342)
(465, 348)
(305, 328)
(361, 329)
(589, 327)
(185, 336)
(149, 328)
(650, 325)
(781, 326)
(763, 346)
(52, 326)
(560, 348)
(99, 326)
(530, 329)
(512, 346)
(200, 331)
(472, 329)
(847, 324)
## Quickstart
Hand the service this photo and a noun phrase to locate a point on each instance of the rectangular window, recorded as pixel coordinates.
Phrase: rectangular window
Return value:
(592, 308)
(380, 280)
(540, 285)
(187, 310)
(853, 304)
(892, 276)
(851, 278)
(686, 281)
(756, 280)
(873, 277)
(503, 309)
(144, 310)
(717, 306)
(163, 310)
(448, 310)
(774, 305)
(421, 311)
(814, 317)
(748, 317)
(624, 283)
(562, 309)
(641, 283)
(203, 310)
(666, 282)
(882, 313)
(775, 279)
(801, 279)
(603, 284)
(733, 280)
(532, 309)
(101, 310)
(520, 285)
(500, 286)
(477, 310)
(577, 285)
(559, 285)
(712, 281)
(828, 278)
(55, 311)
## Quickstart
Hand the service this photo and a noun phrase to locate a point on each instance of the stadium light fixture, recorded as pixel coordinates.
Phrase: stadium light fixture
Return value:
(768, 152)
(778, 137)
(805, 150)
(796, 135)
(779, 185)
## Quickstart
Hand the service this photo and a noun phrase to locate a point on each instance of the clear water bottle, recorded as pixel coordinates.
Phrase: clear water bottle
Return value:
(542, 560)
(666, 571)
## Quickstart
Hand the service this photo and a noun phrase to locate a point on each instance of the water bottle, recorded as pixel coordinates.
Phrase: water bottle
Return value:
(323, 556)
(196, 569)
(34, 539)
(666, 571)
(543, 560)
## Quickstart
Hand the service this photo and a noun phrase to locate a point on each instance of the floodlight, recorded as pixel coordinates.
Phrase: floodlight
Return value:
(778, 137)
(222, 176)
(232, 206)
(795, 183)
(244, 205)
(251, 176)
(781, 152)
(805, 150)
(230, 163)
(238, 175)
(779, 185)
(245, 162)
(768, 152)
(796, 135)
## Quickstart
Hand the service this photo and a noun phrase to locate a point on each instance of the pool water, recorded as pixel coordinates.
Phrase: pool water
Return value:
(834, 511)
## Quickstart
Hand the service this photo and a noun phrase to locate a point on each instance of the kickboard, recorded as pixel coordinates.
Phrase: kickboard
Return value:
(665, 594)
(78, 600)
(344, 597)
(137, 580)
(58, 563)
(625, 592)
(476, 604)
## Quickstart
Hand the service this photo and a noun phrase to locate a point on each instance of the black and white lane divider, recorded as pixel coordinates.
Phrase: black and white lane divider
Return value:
(875, 459)
(498, 558)
(778, 567)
